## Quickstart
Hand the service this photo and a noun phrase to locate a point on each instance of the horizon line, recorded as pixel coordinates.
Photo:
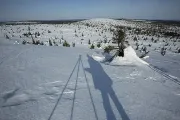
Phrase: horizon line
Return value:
(79, 19)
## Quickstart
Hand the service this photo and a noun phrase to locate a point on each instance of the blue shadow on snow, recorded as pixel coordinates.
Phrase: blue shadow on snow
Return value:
(104, 83)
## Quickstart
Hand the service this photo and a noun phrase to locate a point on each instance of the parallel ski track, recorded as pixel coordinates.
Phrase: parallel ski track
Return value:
(176, 80)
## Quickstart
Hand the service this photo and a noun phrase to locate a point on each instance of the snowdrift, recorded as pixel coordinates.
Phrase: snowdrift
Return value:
(130, 58)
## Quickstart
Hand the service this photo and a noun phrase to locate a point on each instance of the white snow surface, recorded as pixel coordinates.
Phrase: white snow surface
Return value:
(98, 58)
(33, 77)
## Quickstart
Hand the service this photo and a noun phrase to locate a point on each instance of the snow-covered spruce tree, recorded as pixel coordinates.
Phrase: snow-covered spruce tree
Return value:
(89, 42)
(135, 38)
(50, 43)
(163, 51)
(7, 37)
(73, 44)
(33, 41)
(99, 45)
(105, 39)
(92, 46)
(119, 37)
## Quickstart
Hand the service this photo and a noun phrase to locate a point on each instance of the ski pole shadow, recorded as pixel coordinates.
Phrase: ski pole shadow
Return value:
(103, 83)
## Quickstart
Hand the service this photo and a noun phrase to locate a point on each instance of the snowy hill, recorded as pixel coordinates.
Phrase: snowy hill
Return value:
(46, 81)
(108, 22)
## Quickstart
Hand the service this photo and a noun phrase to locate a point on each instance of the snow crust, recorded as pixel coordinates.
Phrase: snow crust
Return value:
(47, 90)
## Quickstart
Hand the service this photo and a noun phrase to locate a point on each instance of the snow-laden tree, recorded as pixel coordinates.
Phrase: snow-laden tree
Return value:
(119, 37)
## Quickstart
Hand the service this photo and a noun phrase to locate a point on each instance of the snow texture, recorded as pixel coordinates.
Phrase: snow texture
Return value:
(58, 83)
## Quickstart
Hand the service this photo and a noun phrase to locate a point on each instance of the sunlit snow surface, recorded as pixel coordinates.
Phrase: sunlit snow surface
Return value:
(31, 83)
(33, 79)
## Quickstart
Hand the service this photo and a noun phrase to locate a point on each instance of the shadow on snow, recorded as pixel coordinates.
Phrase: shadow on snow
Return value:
(104, 83)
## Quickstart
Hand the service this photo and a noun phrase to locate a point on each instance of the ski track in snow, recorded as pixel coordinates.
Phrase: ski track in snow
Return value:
(169, 77)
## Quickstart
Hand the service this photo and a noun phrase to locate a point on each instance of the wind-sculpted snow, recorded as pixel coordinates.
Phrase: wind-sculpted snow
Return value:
(130, 58)
(46, 91)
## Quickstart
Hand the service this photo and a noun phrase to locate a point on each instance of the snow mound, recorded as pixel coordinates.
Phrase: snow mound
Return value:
(130, 58)
(101, 57)
(98, 58)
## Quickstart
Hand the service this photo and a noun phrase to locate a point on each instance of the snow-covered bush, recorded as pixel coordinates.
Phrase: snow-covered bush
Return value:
(37, 42)
(24, 42)
(66, 44)
(99, 45)
(49, 31)
(42, 43)
(108, 49)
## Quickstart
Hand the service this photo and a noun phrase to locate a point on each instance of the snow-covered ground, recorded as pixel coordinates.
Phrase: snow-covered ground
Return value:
(49, 83)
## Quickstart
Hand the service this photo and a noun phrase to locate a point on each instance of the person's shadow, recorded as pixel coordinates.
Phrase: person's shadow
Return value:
(104, 83)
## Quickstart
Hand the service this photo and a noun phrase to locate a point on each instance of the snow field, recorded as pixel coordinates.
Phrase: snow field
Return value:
(38, 82)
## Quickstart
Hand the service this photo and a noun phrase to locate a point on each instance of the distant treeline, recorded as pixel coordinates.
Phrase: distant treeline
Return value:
(167, 22)
(163, 22)
(171, 34)
(39, 22)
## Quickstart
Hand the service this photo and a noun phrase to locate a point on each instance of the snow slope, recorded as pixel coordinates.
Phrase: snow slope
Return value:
(36, 79)
(49, 83)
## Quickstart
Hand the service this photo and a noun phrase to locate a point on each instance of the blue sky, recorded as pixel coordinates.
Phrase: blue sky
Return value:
(86, 9)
